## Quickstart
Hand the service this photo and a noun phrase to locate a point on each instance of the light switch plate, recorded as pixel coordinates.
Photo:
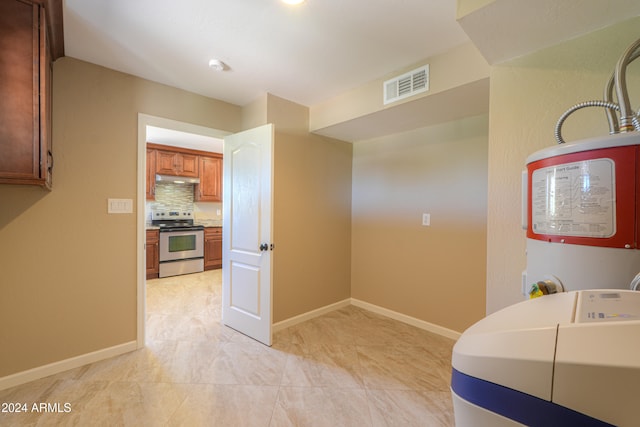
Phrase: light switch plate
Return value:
(426, 219)
(119, 206)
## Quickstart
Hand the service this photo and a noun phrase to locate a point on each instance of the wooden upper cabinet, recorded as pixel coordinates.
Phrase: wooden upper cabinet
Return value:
(178, 164)
(210, 187)
(25, 88)
(205, 165)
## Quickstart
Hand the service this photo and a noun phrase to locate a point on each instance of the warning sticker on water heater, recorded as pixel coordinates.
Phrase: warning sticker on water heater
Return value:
(574, 199)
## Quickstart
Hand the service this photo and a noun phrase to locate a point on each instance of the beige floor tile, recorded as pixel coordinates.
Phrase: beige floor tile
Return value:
(321, 331)
(248, 363)
(321, 407)
(349, 367)
(323, 365)
(403, 367)
(410, 408)
(226, 405)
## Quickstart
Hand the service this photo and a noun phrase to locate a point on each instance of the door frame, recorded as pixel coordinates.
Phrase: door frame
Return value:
(145, 120)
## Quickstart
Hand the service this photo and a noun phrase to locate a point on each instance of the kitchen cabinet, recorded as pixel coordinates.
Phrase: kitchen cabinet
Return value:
(25, 85)
(153, 254)
(151, 175)
(212, 248)
(205, 165)
(210, 187)
(176, 163)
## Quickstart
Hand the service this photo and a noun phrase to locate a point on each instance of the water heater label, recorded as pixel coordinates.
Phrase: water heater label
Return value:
(574, 199)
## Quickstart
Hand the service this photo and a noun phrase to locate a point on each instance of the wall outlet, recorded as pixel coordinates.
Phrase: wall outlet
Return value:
(426, 219)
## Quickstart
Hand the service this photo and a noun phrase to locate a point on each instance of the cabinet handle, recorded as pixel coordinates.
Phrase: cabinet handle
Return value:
(50, 154)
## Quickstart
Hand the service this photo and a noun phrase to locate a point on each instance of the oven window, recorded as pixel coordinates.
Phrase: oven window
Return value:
(182, 243)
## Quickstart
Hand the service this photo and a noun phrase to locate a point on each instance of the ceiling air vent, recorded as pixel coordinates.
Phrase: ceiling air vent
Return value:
(408, 84)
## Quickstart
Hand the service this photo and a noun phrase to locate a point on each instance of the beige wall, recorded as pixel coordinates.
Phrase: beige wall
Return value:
(464, 7)
(67, 268)
(312, 224)
(436, 273)
(312, 210)
(528, 95)
(449, 72)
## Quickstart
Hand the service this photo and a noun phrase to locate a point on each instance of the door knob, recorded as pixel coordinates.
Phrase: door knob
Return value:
(264, 247)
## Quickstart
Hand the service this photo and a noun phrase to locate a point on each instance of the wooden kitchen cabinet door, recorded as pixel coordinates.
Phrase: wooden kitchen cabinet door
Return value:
(25, 104)
(210, 187)
(165, 162)
(212, 248)
(188, 165)
(177, 164)
(153, 254)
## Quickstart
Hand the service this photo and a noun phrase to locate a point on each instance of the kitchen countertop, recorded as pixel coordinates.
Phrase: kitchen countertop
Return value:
(209, 222)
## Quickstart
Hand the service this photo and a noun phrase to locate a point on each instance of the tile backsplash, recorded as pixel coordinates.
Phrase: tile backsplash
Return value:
(180, 196)
(172, 196)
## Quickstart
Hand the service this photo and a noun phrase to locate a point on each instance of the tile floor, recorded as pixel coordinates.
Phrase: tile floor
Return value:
(350, 367)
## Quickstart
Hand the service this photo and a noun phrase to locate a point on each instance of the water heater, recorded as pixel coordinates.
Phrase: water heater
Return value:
(582, 214)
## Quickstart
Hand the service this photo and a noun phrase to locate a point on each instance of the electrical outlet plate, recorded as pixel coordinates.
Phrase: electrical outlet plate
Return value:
(426, 219)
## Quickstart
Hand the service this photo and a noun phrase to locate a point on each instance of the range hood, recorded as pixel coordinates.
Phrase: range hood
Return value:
(177, 179)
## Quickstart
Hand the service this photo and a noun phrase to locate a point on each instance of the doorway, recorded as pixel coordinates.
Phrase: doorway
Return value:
(144, 123)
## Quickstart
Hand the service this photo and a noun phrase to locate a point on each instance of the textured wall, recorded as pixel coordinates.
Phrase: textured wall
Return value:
(528, 95)
(67, 268)
(312, 214)
(434, 273)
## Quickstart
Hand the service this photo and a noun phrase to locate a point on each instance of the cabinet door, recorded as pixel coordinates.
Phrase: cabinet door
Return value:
(166, 162)
(173, 163)
(188, 165)
(210, 187)
(153, 254)
(46, 107)
(25, 89)
(212, 248)
(151, 175)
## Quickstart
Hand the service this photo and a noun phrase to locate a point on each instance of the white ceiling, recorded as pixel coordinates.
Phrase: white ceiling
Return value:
(182, 139)
(314, 51)
(505, 29)
(306, 53)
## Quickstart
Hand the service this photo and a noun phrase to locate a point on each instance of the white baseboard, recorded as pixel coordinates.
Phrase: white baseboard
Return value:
(310, 315)
(64, 365)
(436, 329)
(75, 362)
(449, 333)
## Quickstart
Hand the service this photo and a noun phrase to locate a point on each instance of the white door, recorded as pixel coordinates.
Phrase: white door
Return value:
(246, 232)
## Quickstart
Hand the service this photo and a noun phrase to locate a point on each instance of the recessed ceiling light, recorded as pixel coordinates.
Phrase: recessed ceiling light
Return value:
(217, 65)
(293, 1)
